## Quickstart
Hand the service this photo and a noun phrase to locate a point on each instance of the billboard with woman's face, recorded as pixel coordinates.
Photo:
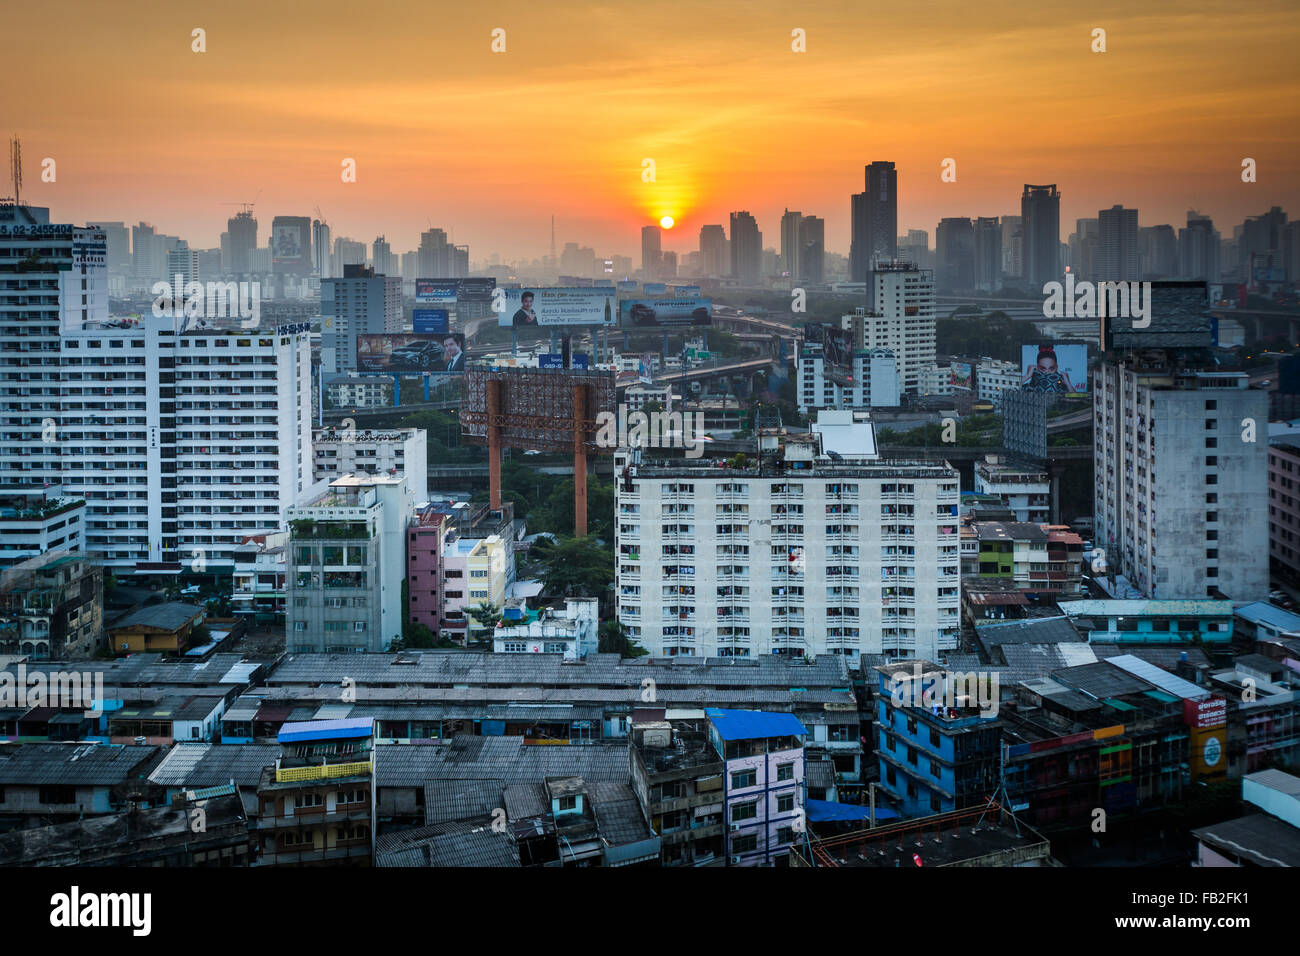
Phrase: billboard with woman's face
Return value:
(1054, 368)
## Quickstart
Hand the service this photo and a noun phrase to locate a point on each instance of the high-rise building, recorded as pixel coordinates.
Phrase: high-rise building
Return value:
(1117, 247)
(382, 258)
(1084, 245)
(359, 303)
(901, 319)
(181, 441)
(441, 258)
(715, 259)
(955, 255)
(291, 245)
(119, 245)
(746, 248)
(1040, 213)
(1013, 259)
(812, 249)
(1180, 500)
(1262, 244)
(668, 265)
(242, 228)
(1158, 252)
(144, 256)
(988, 254)
(790, 245)
(1198, 249)
(915, 248)
(183, 262)
(322, 258)
(874, 218)
(651, 251)
(348, 252)
(827, 549)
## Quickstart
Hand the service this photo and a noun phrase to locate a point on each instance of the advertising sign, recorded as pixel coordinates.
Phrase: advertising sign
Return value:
(435, 290)
(1205, 712)
(627, 285)
(408, 352)
(652, 313)
(837, 350)
(684, 290)
(288, 244)
(429, 321)
(654, 288)
(550, 360)
(558, 307)
(959, 375)
(477, 289)
(581, 360)
(1047, 368)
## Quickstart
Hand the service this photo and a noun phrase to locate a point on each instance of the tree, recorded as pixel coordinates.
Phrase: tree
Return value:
(614, 639)
(485, 616)
(575, 567)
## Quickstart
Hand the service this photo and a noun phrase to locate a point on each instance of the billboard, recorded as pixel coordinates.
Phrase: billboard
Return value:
(652, 313)
(959, 375)
(627, 285)
(581, 361)
(429, 321)
(837, 350)
(289, 243)
(685, 290)
(654, 288)
(550, 360)
(558, 307)
(409, 352)
(477, 289)
(435, 290)
(1062, 369)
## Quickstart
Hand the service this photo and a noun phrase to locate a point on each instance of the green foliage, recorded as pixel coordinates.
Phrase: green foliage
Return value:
(997, 336)
(973, 431)
(443, 431)
(614, 639)
(575, 567)
(546, 501)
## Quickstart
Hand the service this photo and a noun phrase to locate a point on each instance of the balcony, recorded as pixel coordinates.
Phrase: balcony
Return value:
(323, 772)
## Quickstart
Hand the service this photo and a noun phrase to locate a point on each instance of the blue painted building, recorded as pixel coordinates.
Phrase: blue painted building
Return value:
(1151, 622)
(936, 748)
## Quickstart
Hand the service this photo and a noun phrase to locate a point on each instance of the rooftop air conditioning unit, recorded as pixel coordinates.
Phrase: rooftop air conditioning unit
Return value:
(735, 860)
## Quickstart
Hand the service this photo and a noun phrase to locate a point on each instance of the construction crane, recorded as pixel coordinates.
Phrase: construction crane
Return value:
(248, 206)
(16, 168)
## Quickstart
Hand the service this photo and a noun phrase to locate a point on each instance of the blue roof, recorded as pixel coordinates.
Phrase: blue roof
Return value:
(754, 724)
(1272, 615)
(826, 811)
(347, 728)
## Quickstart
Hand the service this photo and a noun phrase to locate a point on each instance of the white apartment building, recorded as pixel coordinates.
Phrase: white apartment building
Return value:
(404, 451)
(1026, 490)
(345, 566)
(901, 319)
(874, 382)
(935, 380)
(824, 549)
(354, 390)
(992, 376)
(573, 630)
(182, 444)
(1181, 495)
(637, 396)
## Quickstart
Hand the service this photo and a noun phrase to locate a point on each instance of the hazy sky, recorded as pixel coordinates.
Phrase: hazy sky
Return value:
(489, 145)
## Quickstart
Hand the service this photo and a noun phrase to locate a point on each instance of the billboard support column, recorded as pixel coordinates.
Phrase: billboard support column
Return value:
(397, 390)
(494, 443)
(580, 460)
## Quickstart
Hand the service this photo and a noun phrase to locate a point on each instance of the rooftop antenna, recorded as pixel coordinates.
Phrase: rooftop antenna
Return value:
(16, 168)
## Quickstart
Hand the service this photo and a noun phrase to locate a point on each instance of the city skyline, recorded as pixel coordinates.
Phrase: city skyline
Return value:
(797, 134)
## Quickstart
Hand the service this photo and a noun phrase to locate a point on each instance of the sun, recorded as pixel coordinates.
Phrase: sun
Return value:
(666, 222)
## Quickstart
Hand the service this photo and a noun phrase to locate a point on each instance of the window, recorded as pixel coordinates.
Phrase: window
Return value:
(785, 803)
(744, 811)
(785, 771)
(743, 778)
(312, 799)
(567, 803)
(785, 835)
(58, 795)
(744, 844)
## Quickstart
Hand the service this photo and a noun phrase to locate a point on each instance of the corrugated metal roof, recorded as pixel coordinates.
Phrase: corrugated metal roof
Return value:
(86, 764)
(1162, 679)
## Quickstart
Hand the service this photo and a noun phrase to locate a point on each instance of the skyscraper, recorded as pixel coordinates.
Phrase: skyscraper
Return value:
(955, 255)
(381, 256)
(322, 259)
(812, 251)
(1198, 248)
(119, 246)
(1084, 244)
(874, 220)
(1117, 247)
(359, 303)
(1158, 252)
(243, 240)
(291, 245)
(439, 258)
(143, 264)
(746, 248)
(1040, 211)
(790, 243)
(1013, 259)
(715, 259)
(651, 251)
(988, 254)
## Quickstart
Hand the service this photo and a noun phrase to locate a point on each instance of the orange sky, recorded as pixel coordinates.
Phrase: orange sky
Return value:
(488, 146)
